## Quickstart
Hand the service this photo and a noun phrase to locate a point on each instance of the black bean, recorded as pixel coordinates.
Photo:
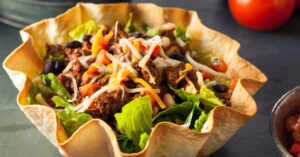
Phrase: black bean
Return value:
(139, 35)
(73, 44)
(220, 88)
(49, 66)
(178, 56)
(87, 37)
(58, 67)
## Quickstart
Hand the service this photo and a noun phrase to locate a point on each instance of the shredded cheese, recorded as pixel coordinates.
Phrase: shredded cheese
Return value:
(87, 102)
(211, 83)
(116, 30)
(152, 79)
(68, 67)
(180, 42)
(200, 79)
(126, 42)
(191, 87)
(202, 67)
(183, 73)
(83, 60)
(74, 85)
(152, 91)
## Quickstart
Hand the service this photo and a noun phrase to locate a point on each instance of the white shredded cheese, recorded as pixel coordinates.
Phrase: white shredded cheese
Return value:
(87, 102)
(83, 60)
(200, 79)
(125, 42)
(180, 42)
(202, 67)
(151, 77)
(211, 83)
(68, 67)
(74, 85)
(116, 30)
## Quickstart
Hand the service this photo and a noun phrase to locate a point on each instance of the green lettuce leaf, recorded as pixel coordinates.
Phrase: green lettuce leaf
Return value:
(200, 121)
(70, 119)
(50, 81)
(186, 96)
(88, 27)
(129, 27)
(209, 99)
(140, 26)
(153, 32)
(179, 32)
(38, 86)
(135, 119)
(143, 140)
(180, 111)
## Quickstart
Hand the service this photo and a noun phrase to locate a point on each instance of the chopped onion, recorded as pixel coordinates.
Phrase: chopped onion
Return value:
(74, 85)
(201, 66)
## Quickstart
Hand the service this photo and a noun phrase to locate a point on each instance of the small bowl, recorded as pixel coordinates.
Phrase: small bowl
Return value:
(287, 105)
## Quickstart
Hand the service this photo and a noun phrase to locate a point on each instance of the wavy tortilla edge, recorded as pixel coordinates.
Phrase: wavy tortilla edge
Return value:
(96, 138)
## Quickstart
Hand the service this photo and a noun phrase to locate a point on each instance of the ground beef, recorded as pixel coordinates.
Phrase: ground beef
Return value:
(193, 77)
(172, 74)
(107, 104)
(157, 74)
(54, 50)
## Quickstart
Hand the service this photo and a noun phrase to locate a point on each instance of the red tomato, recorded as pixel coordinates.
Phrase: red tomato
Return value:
(219, 65)
(89, 89)
(295, 149)
(155, 51)
(261, 15)
(206, 75)
(102, 58)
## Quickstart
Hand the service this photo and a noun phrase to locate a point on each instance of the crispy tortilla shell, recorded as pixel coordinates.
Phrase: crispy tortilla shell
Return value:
(96, 138)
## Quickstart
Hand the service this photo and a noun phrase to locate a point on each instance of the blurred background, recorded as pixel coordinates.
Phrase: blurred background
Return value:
(275, 52)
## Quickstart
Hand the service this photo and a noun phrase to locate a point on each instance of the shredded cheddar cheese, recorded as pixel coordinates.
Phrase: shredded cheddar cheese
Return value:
(188, 67)
(152, 91)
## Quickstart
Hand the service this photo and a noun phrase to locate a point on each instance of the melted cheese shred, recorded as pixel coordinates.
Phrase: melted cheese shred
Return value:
(152, 91)
(74, 87)
(126, 42)
(202, 67)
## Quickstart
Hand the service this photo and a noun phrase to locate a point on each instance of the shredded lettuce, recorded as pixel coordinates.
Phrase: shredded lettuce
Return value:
(135, 120)
(209, 99)
(88, 27)
(129, 27)
(50, 81)
(179, 32)
(153, 32)
(143, 140)
(70, 119)
(200, 121)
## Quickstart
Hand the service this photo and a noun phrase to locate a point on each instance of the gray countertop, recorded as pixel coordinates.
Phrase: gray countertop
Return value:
(276, 53)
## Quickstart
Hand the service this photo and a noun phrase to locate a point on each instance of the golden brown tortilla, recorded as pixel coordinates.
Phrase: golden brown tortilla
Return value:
(96, 138)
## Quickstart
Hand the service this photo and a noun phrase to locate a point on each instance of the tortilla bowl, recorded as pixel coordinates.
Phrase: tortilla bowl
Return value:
(96, 138)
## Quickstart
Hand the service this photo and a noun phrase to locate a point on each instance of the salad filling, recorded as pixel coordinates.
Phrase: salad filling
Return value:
(132, 77)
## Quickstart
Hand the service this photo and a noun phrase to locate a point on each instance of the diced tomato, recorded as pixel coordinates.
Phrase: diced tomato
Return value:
(233, 84)
(206, 75)
(155, 51)
(219, 65)
(295, 149)
(91, 71)
(89, 89)
(152, 98)
(102, 58)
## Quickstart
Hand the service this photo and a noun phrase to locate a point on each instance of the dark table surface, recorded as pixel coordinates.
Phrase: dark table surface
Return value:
(276, 53)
